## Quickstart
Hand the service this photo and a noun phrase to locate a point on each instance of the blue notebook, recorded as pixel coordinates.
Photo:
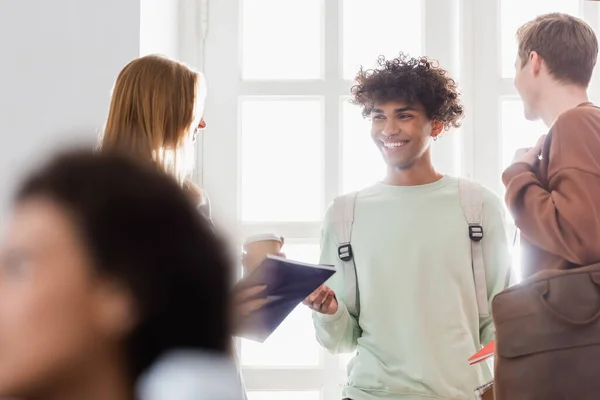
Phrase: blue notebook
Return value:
(288, 283)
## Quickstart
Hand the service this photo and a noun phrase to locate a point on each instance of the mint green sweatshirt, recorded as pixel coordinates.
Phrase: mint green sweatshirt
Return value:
(418, 321)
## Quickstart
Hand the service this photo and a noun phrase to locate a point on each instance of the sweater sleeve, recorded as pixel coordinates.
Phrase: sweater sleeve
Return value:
(561, 216)
(339, 332)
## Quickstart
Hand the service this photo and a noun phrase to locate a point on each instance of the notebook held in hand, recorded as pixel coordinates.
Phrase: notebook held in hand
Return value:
(287, 284)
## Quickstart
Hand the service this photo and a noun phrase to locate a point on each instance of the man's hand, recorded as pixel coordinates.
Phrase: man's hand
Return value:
(322, 300)
(530, 155)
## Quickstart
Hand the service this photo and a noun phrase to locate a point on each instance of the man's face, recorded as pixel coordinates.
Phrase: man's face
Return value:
(402, 132)
(527, 84)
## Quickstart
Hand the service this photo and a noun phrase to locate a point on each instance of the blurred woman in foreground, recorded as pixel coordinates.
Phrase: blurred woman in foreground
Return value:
(102, 270)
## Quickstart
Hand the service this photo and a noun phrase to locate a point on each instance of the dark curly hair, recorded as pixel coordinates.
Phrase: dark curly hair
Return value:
(412, 80)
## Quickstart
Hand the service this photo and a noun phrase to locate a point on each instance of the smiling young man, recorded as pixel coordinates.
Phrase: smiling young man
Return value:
(555, 200)
(419, 319)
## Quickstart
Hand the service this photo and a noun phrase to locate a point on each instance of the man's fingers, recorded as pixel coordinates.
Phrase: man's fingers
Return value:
(323, 306)
(327, 303)
(311, 297)
(320, 300)
(320, 297)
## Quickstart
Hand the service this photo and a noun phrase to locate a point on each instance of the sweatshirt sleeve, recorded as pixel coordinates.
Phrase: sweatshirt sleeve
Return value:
(496, 255)
(561, 216)
(338, 333)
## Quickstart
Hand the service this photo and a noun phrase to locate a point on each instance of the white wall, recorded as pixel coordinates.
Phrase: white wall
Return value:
(174, 28)
(159, 27)
(59, 59)
(193, 15)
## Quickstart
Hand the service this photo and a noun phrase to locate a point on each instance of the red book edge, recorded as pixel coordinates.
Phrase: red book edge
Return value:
(486, 352)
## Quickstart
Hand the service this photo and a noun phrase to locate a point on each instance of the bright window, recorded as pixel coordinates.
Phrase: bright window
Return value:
(373, 30)
(275, 32)
(362, 163)
(516, 131)
(290, 167)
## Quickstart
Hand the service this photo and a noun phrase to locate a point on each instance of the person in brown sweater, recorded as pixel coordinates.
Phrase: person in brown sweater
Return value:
(553, 188)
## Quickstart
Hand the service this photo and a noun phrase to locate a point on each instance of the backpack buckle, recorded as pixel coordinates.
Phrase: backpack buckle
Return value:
(475, 232)
(345, 252)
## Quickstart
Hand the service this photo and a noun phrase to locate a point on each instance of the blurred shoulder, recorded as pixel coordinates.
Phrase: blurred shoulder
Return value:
(199, 197)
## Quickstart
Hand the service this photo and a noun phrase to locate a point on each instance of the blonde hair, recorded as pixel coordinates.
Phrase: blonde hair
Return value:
(152, 111)
(567, 44)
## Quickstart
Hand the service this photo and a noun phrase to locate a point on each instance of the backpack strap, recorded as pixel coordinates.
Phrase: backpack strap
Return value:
(510, 276)
(471, 202)
(343, 218)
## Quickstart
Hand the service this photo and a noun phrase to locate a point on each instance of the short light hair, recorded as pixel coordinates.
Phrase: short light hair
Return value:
(567, 44)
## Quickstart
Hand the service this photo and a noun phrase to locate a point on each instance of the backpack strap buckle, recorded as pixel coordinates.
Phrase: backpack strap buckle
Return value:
(475, 232)
(345, 252)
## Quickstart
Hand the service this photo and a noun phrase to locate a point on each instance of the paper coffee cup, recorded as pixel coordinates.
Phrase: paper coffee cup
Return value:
(257, 247)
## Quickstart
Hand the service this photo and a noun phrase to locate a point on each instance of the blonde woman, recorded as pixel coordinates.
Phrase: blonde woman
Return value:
(156, 113)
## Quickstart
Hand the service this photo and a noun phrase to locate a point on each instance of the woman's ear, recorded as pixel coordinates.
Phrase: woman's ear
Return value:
(116, 312)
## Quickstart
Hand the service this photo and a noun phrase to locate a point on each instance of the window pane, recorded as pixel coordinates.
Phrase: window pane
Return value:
(383, 27)
(308, 251)
(293, 344)
(281, 160)
(517, 132)
(275, 32)
(362, 163)
(515, 13)
(276, 395)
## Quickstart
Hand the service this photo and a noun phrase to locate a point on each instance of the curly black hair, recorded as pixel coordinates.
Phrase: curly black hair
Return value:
(412, 80)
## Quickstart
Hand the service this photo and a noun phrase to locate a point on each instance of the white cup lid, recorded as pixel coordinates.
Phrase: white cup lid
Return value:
(263, 237)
